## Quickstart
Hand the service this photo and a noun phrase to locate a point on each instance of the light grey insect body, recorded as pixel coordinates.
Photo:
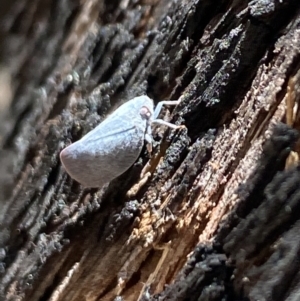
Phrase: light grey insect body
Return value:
(114, 145)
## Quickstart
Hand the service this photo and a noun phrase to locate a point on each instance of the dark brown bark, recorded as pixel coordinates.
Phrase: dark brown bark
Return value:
(216, 215)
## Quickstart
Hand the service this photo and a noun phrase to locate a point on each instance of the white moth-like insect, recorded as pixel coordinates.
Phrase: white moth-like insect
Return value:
(114, 145)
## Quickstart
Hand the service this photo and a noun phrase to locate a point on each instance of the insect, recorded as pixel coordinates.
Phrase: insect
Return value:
(114, 145)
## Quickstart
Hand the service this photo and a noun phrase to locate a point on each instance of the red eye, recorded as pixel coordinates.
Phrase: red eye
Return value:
(144, 111)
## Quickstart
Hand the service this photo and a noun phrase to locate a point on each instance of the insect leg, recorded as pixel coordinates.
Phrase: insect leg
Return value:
(148, 136)
(149, 140)
(171, 125)
(163, 103)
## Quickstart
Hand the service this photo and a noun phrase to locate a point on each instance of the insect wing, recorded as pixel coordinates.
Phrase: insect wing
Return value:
(107, 151)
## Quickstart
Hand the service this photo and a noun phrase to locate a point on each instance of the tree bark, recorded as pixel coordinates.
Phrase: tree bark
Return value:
(212, 213)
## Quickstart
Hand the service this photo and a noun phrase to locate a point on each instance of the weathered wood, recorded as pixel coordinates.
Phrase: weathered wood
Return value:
(215, 215)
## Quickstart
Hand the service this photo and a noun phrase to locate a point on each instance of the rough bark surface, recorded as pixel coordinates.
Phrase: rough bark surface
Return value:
(216, 214)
